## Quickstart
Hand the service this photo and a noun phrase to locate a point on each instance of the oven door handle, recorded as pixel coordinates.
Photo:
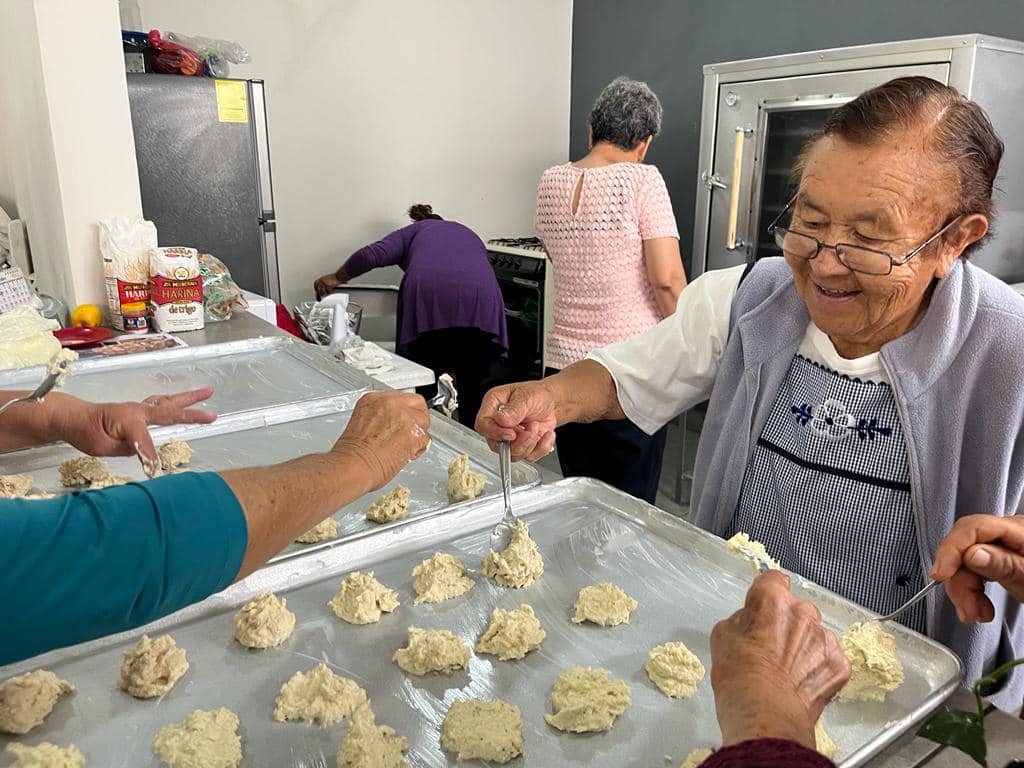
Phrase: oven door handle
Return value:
(731, 241)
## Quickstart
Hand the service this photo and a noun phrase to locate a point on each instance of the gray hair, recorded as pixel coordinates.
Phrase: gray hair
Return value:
(625, 113)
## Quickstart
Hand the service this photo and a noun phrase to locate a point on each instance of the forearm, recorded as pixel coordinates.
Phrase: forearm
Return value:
(25, 425)
(584, 392)
(283, 501)
(667, 297)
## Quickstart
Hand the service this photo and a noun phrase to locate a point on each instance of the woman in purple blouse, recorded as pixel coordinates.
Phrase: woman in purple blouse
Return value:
(451, 317)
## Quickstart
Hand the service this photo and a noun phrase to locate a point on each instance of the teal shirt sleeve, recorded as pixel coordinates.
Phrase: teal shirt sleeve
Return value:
(90, 564)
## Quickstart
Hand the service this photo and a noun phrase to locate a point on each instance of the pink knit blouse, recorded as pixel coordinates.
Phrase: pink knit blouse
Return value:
(602, 293)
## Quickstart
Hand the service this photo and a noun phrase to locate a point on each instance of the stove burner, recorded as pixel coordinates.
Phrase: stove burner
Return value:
(526, 243)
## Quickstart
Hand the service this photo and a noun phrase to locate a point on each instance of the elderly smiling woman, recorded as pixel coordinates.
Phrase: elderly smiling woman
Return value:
(866, 390)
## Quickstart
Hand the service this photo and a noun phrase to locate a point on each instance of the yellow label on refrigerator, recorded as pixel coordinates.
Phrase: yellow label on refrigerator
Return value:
(231, 101)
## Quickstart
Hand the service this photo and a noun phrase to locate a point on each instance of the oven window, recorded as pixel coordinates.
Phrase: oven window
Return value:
(786, 133)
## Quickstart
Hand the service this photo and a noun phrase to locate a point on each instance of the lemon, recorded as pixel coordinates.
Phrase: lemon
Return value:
(86, 316)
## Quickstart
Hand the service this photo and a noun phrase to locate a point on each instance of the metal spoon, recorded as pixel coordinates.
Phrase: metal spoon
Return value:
(911, 602)
(447, 398)
(42, 390)
(501, 536)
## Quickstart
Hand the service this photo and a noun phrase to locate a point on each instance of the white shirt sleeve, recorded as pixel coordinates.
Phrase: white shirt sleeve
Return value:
(673, 366)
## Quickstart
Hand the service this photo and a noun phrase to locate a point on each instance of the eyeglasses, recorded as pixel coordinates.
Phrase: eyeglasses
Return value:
(854, 257)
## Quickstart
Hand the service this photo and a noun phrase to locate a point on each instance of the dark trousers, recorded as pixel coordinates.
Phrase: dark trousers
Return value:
(467, 354)
(616, 452)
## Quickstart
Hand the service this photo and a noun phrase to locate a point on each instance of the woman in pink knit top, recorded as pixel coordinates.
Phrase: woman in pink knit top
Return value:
(606, 222)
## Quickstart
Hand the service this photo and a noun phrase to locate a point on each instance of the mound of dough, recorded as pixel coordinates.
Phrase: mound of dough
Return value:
(823, 742)
(152, 667)
(204, 739)
(752, 551)
(27, 699)
(511, 634)
(87, 470)
(264, 622)
(322, 531)
(174, 454)
(696, 757)
(520, 564)
(318, 696)
(368, 745)
(432, 650)
(463, 483)
(675, 669)
(483, 730)
(442, 577)
(46, 755)
(585, 700)
(875, 667)
(604, 604)
(15, 486)
(390, 507)
(362, 599)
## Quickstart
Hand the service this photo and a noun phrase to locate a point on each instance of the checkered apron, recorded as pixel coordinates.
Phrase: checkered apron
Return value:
(827, 490)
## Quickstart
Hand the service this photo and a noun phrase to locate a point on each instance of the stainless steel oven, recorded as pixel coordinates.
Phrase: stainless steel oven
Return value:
(756, 114)
(520, 265)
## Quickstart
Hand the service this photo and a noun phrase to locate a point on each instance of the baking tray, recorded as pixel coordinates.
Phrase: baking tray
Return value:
(246, 375)
(280, 434)
(681, 576)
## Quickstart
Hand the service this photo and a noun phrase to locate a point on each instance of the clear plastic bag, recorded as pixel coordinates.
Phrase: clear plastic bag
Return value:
(214, 53)
(221, 294)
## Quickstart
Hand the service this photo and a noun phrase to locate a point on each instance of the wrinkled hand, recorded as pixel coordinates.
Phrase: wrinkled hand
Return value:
(524, 414)
(981, 548)
(387, 431)
(774, 667)
(324, 285)
(122, 429)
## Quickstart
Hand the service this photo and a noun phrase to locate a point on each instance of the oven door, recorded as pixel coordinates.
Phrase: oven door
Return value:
(760, 129)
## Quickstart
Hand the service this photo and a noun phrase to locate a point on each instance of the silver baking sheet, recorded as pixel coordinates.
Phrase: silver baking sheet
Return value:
(246, 375)
(270, 437)
(682, 577)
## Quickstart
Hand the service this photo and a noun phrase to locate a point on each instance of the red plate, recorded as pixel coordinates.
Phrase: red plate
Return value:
(82, 337)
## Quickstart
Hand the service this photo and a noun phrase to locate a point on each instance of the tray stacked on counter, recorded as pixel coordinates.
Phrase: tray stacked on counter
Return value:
(682, 578)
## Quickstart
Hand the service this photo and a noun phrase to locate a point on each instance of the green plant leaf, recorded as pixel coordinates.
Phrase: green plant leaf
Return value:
(958, 729)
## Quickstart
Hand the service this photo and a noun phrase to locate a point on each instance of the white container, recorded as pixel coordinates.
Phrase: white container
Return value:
(175, 289)
(261, 306)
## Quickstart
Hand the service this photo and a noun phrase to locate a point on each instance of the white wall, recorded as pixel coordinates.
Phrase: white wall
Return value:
(375, 105)
(70, 156)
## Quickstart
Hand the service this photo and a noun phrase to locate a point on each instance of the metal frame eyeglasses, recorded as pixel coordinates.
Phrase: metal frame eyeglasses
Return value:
(847, 253)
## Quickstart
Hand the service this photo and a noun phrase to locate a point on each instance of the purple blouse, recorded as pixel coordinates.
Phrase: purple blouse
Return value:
(448, 281)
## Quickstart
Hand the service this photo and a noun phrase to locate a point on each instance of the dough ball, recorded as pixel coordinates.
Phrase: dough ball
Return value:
(483, 730)
(322, 531)
(440, 578)
(85, 470)
(368, 745)
(264, 622)
(361, 599)
(875, 667)
(15, 486)
(208, 738)
(696, 757)
(604, 604)
(174, 454)
(585, 700)
(520, 564)
(432, 650)
(318, 696)
(390, 507)
(45, 755)
(27, 699)
(152, 667)
(463, 483)
(750, 550)
(511, 634)
(823, 742)
(675, 669)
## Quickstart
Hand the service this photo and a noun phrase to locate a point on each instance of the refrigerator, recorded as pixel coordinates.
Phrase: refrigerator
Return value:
(204, 170)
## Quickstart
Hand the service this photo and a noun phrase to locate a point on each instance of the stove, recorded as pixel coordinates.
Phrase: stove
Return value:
(520, 264)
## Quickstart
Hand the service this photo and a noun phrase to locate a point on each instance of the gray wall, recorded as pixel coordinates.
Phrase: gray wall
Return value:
(667, 42)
